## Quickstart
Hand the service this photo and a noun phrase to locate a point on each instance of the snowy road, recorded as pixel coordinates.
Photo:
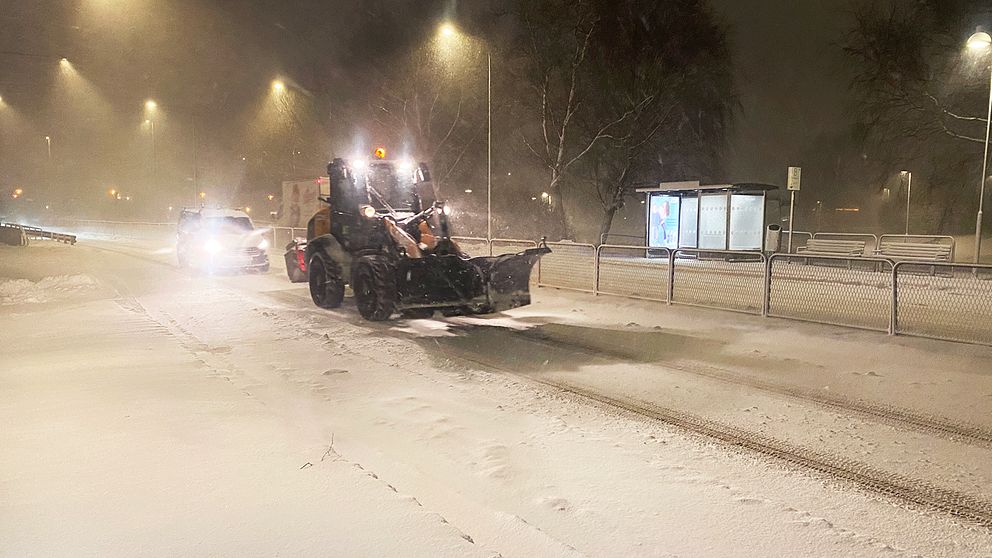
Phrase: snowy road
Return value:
(148, 411)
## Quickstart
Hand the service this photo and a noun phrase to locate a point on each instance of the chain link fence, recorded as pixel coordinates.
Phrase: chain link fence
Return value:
(473, 246)
(570, 265)
(927, 299)
(943, 301)
(853, 292)
(502, 246)
(723, 279)
(633, 271)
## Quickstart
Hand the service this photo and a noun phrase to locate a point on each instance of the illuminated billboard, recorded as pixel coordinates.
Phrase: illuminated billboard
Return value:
(663, 221)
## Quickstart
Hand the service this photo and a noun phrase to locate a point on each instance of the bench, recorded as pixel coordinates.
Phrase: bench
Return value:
(915, 251)
(824, 247)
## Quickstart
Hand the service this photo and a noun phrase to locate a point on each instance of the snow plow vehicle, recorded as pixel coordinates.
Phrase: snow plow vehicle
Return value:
(383, 233)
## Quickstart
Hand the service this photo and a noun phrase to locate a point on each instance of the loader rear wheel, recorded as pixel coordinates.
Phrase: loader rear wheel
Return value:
(326, 284)
(375, 288)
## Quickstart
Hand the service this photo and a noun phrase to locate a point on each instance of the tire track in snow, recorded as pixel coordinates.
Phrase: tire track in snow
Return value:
(916, 492)
(958, 431)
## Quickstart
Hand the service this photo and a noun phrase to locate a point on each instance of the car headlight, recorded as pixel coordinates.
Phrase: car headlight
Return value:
(264, 244)
(212, 246)
(368, 211)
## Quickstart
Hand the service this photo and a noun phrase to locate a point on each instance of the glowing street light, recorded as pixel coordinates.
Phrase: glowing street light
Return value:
(448, 30)
(980, 43)
(150, 104)
(278, 86)
(203, 195)
(270, 197)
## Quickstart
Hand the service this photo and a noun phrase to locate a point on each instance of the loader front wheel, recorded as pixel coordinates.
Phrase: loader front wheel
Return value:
(375, 288)
(326, 284)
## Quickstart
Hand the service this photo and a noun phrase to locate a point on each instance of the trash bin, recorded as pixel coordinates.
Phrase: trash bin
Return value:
(773, 238)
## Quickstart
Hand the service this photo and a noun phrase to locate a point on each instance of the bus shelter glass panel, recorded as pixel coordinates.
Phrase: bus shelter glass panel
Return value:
(663, 221)
(689, 222)
(713, 221)
(747, 221)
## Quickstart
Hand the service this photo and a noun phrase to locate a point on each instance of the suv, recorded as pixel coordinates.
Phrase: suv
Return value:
(220, 240)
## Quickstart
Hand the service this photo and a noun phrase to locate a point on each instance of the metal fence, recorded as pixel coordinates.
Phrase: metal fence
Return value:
(943, 301)
(632, 271)
(570, 265)
(473, 246)
(853, 292)
(500, 246)
(724, 279)
(926, 299)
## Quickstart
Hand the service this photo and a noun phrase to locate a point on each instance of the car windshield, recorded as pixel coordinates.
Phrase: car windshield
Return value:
(383, 179)
(227, 224)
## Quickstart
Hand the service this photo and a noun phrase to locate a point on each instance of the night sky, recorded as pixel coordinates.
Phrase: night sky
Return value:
(791, 79)
(192, 55)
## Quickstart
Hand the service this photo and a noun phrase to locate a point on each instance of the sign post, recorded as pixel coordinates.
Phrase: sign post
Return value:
(795, 177)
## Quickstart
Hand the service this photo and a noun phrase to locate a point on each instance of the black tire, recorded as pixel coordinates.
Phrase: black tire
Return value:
(453, 311)
(326, 285)
(417, 313)
(374, 283)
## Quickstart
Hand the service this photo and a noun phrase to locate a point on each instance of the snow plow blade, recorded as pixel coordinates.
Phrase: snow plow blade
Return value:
(468, 286)
(507, 278)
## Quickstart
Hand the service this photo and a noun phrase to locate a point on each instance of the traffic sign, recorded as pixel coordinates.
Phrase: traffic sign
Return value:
(795, 176)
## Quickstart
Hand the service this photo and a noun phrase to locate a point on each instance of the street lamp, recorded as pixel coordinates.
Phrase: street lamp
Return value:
(150, 104)
(981, 42)
(278, 86)
(449, 31)
(909, 192)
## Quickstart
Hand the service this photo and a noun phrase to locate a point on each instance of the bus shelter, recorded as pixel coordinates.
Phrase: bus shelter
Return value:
(710, 217)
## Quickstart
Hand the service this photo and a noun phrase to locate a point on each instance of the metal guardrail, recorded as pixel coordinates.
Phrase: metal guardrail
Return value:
(723, 279)
(570, 265)
(632, 271)
(937, 300)
(943, 301)
(633, 240)
(471, 245)
(838, 290)
(500, 246)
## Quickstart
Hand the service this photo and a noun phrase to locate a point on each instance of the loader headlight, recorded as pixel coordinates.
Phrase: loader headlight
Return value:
(212, 246)
(264, 244)
(446, 210)
(368, 211)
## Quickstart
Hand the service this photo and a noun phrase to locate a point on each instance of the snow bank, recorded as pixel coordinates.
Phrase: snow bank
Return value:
(23, 291)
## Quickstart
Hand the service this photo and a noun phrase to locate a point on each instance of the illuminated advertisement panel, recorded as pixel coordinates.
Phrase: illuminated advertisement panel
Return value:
(663, 221)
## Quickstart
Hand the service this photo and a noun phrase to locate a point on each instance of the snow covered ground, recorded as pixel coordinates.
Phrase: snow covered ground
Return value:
(150, 411)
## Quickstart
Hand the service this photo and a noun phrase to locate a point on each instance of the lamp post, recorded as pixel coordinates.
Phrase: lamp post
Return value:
(449, 31)
(909, 194)
(980, 42)
(151, 108)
